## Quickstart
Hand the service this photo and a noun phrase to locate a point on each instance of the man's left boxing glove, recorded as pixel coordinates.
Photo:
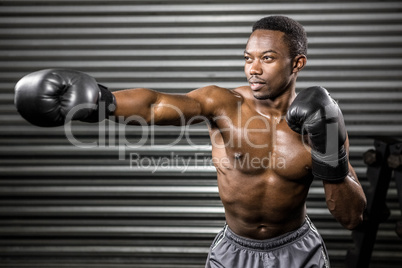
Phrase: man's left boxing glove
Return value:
(52, 97)
(315, 113)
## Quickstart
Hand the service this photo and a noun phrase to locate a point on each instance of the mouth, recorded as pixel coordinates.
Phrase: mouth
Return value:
(255, 86)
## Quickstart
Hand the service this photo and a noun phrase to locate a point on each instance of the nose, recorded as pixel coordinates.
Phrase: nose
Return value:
(255, 68)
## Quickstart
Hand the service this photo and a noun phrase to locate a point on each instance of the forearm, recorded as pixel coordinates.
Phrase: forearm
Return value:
(346, 200)
(152, 107)
(135, 102)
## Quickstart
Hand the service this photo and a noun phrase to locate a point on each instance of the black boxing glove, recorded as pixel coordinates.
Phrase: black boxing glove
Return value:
(315, 113)
(52, 97)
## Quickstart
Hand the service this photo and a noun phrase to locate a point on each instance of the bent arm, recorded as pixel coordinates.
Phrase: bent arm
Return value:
(159, 108)
(346, 200)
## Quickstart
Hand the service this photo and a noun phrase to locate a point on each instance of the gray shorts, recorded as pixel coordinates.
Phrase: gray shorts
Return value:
(303, 247)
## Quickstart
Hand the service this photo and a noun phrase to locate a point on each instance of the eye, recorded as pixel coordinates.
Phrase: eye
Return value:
(267, 58)
(247, 58)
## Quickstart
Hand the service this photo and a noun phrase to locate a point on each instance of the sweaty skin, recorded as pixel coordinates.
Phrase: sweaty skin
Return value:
(263, 167)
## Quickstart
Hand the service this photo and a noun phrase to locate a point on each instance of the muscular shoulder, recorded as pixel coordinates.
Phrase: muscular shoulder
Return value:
(244, 92)
(214, 99)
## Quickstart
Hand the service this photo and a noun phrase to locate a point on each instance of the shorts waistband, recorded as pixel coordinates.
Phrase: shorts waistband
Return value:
(272, 243)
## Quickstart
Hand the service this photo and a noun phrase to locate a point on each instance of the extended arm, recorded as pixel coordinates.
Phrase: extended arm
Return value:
(53, 97)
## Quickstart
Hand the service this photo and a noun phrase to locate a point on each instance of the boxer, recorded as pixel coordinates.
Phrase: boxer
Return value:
(268, 144)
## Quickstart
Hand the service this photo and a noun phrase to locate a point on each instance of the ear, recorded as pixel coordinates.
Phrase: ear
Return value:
(298, 63)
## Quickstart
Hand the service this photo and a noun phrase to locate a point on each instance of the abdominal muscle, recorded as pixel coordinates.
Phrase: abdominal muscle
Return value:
(262, 206)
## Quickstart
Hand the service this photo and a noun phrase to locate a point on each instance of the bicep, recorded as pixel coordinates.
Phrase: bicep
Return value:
(175, 109)
(197, 106)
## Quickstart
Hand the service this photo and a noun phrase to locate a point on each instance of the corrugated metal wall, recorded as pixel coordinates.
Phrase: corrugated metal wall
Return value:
(67, 206)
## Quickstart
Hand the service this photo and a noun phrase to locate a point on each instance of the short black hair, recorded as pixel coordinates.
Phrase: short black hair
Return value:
(295, 35)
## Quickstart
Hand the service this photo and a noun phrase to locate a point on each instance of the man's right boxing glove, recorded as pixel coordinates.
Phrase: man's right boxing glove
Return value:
(51, 97)
(315, 113)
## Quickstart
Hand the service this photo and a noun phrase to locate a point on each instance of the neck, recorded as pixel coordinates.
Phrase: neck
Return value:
(281, 103)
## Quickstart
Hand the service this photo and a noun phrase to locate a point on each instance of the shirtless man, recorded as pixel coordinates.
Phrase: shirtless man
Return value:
(264, 165)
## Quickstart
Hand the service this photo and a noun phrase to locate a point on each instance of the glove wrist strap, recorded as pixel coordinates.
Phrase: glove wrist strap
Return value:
(105, 107)
(333, 167)
(108, 99)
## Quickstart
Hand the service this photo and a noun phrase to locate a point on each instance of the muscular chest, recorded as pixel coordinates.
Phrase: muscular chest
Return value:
(260, 144)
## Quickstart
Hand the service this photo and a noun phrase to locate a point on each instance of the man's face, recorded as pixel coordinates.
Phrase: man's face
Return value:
(268, 66)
